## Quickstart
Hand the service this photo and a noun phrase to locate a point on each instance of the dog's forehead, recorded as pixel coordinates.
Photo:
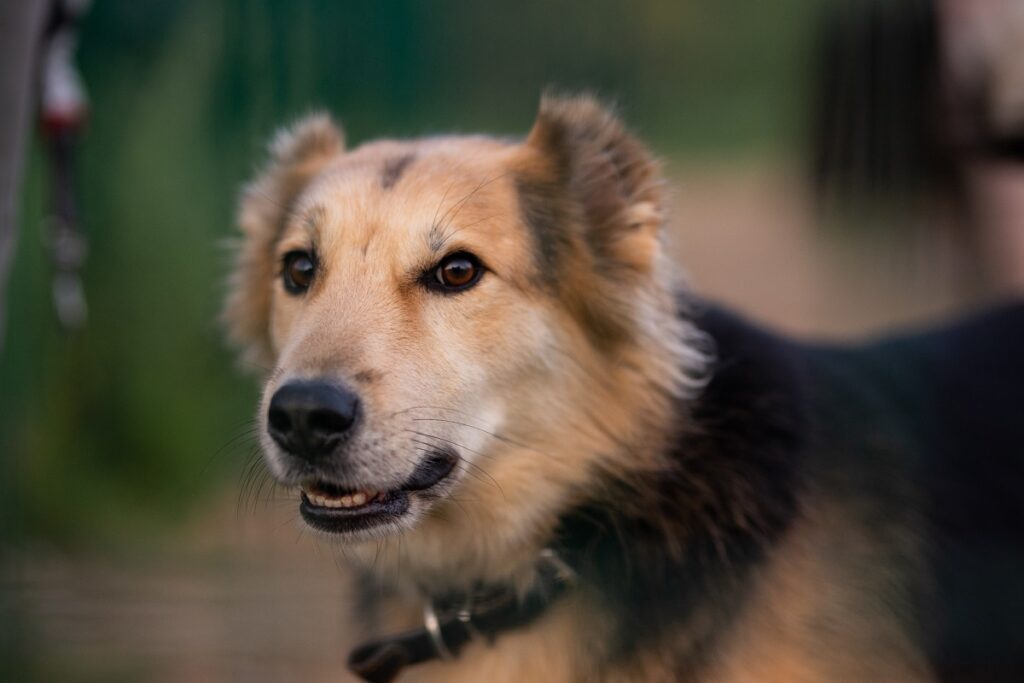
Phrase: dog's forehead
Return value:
(422, 190)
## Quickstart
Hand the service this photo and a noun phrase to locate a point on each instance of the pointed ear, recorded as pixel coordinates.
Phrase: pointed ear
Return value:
(609, 176)
(297, 155)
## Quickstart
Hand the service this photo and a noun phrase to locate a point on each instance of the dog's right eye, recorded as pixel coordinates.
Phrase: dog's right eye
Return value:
(299, 269)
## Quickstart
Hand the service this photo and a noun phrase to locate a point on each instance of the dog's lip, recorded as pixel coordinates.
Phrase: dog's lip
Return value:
(335, 509)
(381, 509)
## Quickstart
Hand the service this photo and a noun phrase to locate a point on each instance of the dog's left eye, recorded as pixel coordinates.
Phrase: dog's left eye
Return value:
(298, 271)
(456, 272)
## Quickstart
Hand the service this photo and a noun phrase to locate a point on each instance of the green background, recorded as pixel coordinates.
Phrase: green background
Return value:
(119, 432)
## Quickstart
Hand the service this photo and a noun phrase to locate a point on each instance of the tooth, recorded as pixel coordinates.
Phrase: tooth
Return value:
(349, 500)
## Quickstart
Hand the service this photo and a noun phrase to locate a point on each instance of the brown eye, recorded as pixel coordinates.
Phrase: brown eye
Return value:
(457, 272)
(298, 272)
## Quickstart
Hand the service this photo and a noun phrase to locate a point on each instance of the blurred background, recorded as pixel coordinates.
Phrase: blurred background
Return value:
(836, 169)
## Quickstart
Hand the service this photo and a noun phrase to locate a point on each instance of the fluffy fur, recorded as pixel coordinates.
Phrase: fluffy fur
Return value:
(739, 507)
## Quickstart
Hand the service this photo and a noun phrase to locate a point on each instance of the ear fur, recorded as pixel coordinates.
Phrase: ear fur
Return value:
(608, 173)
(592, 194)
(297, 154)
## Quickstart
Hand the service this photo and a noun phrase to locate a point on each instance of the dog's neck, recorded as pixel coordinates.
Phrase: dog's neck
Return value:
(452, 622)
(652, 537)
(610, 413)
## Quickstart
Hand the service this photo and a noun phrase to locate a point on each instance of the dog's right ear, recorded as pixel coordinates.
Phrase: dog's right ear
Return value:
(592, 195)
(297, 155)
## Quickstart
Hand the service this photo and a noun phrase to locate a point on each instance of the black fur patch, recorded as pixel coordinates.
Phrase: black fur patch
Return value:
(917, 436)
(679, 563)
(975, 475)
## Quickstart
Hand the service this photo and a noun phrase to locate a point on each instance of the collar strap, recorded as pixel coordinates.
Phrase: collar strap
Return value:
(451, 622)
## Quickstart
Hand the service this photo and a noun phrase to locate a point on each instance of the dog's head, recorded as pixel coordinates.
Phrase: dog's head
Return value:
(461, 325)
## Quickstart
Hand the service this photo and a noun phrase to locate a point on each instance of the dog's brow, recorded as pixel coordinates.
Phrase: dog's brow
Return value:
(312, 220)
(436, 238)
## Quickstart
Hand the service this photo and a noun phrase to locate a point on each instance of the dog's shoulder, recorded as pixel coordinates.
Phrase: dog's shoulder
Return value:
(919, 436)
(909, 443)
(658, 542)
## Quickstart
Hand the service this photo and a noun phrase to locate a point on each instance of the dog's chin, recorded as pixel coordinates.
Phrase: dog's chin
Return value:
(360, 513)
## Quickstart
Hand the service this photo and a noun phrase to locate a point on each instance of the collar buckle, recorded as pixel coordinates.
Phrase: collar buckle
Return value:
(449, 624)
(559, 569)
(433, 627)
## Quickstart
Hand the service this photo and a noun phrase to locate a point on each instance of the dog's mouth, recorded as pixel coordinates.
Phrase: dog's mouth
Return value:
(334, 509)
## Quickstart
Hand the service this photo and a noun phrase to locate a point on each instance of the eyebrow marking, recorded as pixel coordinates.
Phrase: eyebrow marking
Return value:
(393, 170)
(312, 220)
(439, 231)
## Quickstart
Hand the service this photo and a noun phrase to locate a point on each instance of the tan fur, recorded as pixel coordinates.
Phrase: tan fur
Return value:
(543, 380)
(802, 625)
(297, 155)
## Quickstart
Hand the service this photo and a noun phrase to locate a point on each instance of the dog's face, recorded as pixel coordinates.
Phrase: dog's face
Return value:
(406, 315)
(436, 311)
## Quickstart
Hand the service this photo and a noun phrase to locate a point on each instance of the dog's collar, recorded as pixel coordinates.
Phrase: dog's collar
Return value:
(452, 621)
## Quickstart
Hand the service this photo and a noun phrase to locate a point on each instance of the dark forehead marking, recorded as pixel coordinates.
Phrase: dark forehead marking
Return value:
(393, 170)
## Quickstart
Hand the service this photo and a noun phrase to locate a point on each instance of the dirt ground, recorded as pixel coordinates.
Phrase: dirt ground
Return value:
(252, 597)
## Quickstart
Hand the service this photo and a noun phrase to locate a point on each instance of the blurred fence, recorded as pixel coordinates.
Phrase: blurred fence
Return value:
(118, 430)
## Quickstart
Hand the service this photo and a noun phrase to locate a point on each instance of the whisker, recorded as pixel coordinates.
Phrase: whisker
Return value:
(428, 449)
(458, 206)
(247, 433)
(499, 437)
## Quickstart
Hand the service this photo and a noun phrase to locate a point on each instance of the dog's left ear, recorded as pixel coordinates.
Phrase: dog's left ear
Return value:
(297, 155)
(610, 179)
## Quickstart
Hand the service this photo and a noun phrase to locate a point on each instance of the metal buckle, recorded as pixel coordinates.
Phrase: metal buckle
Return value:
(465, 617)
(562, 571)
(433, 626)
(548, 560)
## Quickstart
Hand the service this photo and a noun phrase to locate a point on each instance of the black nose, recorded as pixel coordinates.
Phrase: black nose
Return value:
(309, 418)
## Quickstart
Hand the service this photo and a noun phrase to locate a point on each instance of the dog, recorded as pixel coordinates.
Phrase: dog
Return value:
(547, 460)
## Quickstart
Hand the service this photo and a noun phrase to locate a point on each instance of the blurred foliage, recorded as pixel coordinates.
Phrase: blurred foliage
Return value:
(123, 428)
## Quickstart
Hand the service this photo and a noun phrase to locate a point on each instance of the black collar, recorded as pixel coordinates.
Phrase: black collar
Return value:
(452, 621)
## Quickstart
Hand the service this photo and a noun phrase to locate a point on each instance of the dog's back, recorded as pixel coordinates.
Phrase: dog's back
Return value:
(961, 389)
(919, 440)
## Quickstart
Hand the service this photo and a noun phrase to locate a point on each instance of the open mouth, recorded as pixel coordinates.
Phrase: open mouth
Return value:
(334, 509)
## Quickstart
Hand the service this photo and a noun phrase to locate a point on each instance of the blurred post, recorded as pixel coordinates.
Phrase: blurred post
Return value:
(21, 25)
(63, 110)
(919, 105)
(983, 59)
